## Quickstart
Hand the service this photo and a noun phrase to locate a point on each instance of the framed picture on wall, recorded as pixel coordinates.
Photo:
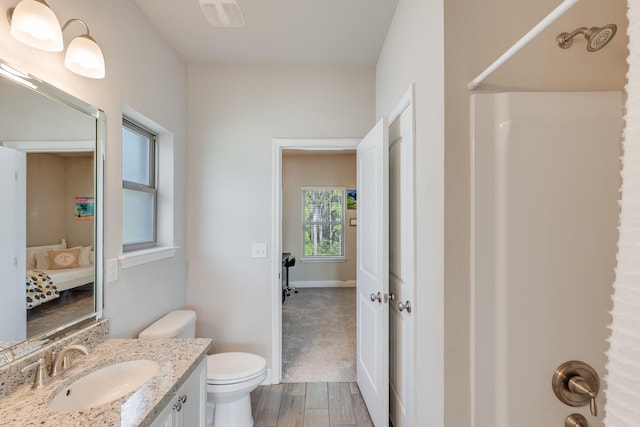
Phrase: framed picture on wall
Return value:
(352, 201)
(84, 208)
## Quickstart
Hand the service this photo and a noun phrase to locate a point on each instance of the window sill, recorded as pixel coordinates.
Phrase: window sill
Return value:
(145, 256)
(324, 259)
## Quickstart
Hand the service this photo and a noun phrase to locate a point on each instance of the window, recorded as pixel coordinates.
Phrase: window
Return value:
(139, 192)
(323, 222)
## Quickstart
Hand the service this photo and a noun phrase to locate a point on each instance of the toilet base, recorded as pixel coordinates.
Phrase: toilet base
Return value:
(233, 414)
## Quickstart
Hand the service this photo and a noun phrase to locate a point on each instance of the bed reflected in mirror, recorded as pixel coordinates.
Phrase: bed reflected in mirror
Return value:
(51, 166)
(60, 228)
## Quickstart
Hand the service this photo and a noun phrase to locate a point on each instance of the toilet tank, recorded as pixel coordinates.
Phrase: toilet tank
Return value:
(175, 324)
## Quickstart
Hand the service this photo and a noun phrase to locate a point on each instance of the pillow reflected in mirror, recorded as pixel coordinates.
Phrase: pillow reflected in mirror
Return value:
(65, 258)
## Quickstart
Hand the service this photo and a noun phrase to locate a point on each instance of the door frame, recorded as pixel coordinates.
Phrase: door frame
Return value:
(277, 147)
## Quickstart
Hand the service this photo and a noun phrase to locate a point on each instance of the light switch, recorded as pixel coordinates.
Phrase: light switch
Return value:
(258, 250)
(112, 270)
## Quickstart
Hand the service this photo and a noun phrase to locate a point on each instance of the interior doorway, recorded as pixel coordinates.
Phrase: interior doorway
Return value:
(312, 147)
(398, 142)
(319, 240)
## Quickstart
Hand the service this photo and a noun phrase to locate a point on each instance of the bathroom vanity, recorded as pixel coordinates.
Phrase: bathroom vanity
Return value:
(174, 395)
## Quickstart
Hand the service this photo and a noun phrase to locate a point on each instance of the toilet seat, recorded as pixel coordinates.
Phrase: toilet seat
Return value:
(234, 367)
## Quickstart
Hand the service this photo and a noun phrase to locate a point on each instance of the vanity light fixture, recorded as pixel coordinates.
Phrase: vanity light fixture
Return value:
(34, 24)
(84, 56)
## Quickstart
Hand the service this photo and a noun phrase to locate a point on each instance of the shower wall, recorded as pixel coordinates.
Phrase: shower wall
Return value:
(545, 171)
(476, 33)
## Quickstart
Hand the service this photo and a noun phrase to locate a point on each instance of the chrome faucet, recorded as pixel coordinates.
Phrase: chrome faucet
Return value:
(61, 362)
(41, 376)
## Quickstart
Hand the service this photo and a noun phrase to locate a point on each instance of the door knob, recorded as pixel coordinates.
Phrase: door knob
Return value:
(380, 297)
(404, 306)
(576, 384)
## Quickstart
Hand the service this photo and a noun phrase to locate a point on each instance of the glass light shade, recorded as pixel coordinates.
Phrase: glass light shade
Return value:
(34, 23)
(84, 57)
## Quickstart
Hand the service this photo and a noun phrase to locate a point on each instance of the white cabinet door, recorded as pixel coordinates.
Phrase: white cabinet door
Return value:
(191, 399)
(186, 408)
(165, 418)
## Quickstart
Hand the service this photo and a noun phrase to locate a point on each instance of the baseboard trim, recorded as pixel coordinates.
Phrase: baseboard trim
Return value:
(323, 284)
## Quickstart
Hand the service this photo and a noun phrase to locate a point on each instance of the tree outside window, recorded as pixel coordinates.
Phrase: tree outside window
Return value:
(323, 221)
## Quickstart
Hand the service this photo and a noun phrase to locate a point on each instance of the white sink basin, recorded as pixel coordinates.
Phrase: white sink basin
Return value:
(104, 385)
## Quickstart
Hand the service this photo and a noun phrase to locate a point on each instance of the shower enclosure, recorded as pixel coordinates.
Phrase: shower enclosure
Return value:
(544, 233)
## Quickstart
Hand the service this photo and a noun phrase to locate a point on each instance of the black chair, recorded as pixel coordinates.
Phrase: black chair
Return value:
(289, 263)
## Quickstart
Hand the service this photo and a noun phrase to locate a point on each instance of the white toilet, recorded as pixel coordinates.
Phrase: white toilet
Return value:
(231, 377)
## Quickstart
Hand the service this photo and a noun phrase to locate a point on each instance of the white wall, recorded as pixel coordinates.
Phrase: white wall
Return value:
(79, 182)
(45, 199)
(146, 74)
(234, 113)
(476, 33)
(317, 169)
(414, 53)
(53, 182)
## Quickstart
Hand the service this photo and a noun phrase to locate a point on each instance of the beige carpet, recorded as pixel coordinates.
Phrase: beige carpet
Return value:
(319, 335)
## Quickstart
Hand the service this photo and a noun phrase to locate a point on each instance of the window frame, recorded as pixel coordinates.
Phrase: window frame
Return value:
(324, 258)
(152, 188)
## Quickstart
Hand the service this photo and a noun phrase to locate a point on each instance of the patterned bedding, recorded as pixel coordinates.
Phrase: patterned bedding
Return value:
(40, 288)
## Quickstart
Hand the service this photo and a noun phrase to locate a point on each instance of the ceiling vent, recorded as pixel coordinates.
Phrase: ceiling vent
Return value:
(223, 13)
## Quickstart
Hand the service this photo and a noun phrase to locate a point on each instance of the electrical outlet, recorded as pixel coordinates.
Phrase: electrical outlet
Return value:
(259, 250)
(112, 270)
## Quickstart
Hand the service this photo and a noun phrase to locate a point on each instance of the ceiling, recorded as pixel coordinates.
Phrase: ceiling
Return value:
(295, 32)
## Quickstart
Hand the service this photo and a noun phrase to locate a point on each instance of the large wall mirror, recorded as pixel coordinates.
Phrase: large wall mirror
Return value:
(51, 180)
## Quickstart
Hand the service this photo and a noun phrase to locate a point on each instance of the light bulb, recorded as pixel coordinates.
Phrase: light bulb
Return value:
(84, 57)
(34, 24)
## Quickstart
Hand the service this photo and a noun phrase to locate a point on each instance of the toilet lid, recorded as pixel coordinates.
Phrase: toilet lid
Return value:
(226, 368)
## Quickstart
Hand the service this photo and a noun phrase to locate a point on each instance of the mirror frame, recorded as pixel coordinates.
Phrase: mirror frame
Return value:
(39, 86)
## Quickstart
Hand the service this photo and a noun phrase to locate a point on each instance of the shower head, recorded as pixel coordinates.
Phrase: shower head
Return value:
(597, 37)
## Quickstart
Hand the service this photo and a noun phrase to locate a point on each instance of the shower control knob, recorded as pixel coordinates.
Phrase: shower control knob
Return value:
(576, 384)
(576, 420)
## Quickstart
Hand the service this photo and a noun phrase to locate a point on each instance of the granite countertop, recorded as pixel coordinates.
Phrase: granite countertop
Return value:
(177, 359)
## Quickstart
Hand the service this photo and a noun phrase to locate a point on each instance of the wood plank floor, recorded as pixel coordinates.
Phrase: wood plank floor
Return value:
(309, 405)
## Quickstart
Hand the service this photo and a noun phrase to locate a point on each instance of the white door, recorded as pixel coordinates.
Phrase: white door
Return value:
(401, 267)
(12, 216)
(373, 272)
